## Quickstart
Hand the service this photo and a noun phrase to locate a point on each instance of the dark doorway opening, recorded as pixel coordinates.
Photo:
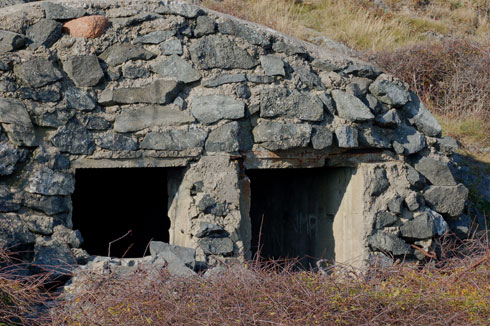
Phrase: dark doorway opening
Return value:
(108, 203)
(292, 212)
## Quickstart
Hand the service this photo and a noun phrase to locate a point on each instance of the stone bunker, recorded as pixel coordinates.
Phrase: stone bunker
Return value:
(191, 127)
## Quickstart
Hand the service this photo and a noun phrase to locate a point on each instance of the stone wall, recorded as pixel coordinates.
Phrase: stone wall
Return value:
(169, 84)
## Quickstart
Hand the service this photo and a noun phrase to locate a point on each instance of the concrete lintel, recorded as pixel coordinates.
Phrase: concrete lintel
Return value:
(147, 162)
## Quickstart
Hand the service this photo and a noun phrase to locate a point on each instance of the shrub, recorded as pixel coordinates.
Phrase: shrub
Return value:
(452, 76)
(22, 297)
(268, 293)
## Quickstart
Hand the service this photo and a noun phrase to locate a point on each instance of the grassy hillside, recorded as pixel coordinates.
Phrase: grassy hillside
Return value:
(440, 47)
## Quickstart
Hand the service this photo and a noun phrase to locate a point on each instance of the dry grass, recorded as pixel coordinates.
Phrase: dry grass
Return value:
(362, 25)
(456, 292)
(21, 296)
(281, 15)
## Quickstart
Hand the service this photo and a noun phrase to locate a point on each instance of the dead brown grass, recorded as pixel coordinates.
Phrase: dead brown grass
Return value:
(452, 76)
(456, 292)
(21, 295)
(362, 25)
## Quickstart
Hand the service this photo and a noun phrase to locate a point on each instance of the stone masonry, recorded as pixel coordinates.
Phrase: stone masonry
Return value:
(170, 84)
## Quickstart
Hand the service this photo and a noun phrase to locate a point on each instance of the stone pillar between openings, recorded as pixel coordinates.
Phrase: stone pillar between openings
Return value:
(205, 208)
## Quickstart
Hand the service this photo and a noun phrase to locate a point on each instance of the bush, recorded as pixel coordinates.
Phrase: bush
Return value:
(451, 76)
(22, 297)
(456, 292)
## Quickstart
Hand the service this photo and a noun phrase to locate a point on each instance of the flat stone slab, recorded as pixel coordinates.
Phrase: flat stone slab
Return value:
(175, 140)
(158, 92)
(121, 53)
(279, 136)
(272, 65)
(212, 108)
(223, 79)
(156, 37)
(61, 12)
(130, 120)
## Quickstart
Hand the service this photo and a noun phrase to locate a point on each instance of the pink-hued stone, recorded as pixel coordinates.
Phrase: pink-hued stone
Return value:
(88, 26)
